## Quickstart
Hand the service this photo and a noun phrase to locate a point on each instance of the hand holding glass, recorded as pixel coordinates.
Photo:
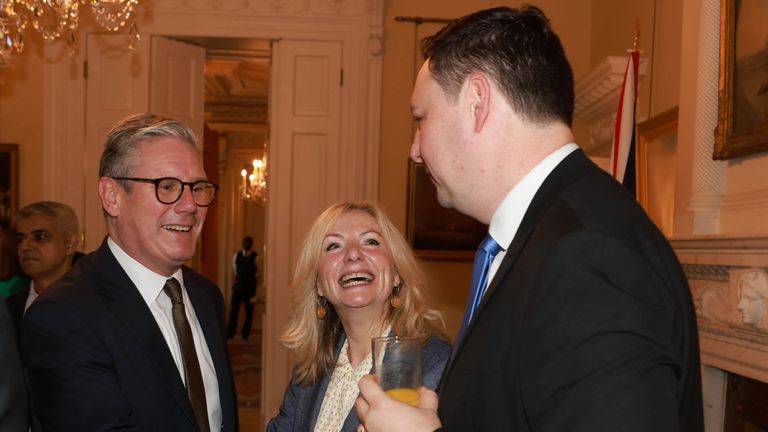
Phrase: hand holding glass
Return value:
(397, 364)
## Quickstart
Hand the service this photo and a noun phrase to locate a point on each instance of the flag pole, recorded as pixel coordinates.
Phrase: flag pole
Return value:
(623, 159)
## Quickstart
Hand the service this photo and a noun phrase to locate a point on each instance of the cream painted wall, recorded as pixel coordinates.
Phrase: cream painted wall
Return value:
(448, 280)
(21, 114)
(666, 56)
(613, 24)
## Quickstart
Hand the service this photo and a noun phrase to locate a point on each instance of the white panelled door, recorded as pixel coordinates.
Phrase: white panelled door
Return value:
(304, 178)
(177, 82)
(117, 85)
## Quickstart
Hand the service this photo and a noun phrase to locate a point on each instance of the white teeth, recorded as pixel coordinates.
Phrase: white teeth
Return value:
(353, 279)
(177, 228)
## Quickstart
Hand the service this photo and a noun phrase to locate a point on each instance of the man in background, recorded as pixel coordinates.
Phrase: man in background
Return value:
(580, 317)
(244, 267)
(46, 235)
(131, 339)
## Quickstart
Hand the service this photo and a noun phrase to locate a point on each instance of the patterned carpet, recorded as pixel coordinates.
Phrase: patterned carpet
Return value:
(246, 366)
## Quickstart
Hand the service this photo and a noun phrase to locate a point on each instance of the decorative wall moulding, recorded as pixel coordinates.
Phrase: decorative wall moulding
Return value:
(597, 97)
(729, 286)
(298, 7)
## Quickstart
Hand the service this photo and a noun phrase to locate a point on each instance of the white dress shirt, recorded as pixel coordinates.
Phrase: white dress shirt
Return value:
(150, 286)
(31, 296)
(508, 216)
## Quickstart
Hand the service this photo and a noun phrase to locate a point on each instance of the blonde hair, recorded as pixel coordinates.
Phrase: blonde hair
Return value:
(313, 339)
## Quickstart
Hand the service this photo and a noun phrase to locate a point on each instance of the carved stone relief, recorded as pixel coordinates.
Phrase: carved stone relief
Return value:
(729, 295)
(711, 301)
(753, 291)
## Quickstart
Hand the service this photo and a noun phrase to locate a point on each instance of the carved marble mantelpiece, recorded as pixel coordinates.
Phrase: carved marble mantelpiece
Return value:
(729, 285)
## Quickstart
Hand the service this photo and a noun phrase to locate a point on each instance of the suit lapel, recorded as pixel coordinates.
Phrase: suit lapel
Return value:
(566, 173)
(123, 299)
(574, 166)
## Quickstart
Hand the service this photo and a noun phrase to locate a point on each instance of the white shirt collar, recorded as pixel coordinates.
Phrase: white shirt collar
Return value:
(31, 296)
(508, 216)
(149, 283)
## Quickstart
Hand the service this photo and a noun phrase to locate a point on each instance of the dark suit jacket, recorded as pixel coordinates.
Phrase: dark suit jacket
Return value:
(16, 304)
(301, 404)
(96, 359)
(13, 392)
(588, 324)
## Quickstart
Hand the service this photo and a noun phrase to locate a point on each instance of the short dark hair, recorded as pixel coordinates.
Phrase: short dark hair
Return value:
(518, 49)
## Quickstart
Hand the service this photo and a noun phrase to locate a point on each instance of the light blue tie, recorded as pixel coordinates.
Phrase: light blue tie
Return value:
(483, 259)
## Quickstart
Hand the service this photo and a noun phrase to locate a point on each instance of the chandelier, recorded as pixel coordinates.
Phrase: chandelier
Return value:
(56, 18)
(254, 185)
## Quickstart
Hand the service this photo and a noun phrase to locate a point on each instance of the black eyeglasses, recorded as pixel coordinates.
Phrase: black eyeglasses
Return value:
(168, 190)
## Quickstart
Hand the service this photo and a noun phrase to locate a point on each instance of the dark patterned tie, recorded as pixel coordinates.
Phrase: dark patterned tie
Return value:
(194, 379)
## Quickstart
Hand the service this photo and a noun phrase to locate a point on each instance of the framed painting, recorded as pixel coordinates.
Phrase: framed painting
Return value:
(742, 118)
(9, 181)
(656, 151)
(434, 232)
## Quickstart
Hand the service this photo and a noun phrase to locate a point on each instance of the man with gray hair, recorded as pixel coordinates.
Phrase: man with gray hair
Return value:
(132, 339)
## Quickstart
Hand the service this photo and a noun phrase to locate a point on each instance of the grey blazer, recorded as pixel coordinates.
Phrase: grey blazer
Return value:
(301, 404)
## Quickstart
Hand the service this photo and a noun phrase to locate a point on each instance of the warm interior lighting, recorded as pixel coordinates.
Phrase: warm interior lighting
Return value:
(254, 185)
(56, 18)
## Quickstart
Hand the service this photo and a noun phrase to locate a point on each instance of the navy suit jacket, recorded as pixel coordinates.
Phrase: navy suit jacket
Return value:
(301, 404)
(97, 361)
(588, 325)
(13, 392)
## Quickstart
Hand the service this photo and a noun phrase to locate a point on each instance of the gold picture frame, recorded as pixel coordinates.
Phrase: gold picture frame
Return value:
(656, 151)
(742, 119)
(9, 181)
(435, 232)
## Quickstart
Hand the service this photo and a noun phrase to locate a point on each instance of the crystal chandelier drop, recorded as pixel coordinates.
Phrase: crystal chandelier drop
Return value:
(254, 184)
(56, 18)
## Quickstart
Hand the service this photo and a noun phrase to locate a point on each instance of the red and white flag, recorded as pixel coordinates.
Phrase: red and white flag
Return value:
(623, 151)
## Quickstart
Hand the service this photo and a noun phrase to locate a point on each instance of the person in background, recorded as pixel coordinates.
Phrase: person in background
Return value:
(12, 278)
(46, 236)
(244, 288)
(580, 317)
(131, 339)
(356, 279)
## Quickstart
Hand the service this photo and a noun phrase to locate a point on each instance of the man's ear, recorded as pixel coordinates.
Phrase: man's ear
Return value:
(110, 195)
(71, 245)
(479, 94)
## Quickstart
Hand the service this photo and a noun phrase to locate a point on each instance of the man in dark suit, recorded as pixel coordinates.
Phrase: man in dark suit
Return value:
(586, 322)
(130, 339)
(244, 288)
(47, 234)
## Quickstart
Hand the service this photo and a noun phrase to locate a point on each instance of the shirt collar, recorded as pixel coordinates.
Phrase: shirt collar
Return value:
(149, 283)
(508, 216)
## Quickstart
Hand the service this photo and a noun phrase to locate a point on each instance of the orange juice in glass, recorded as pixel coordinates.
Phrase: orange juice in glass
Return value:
(397, 364)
